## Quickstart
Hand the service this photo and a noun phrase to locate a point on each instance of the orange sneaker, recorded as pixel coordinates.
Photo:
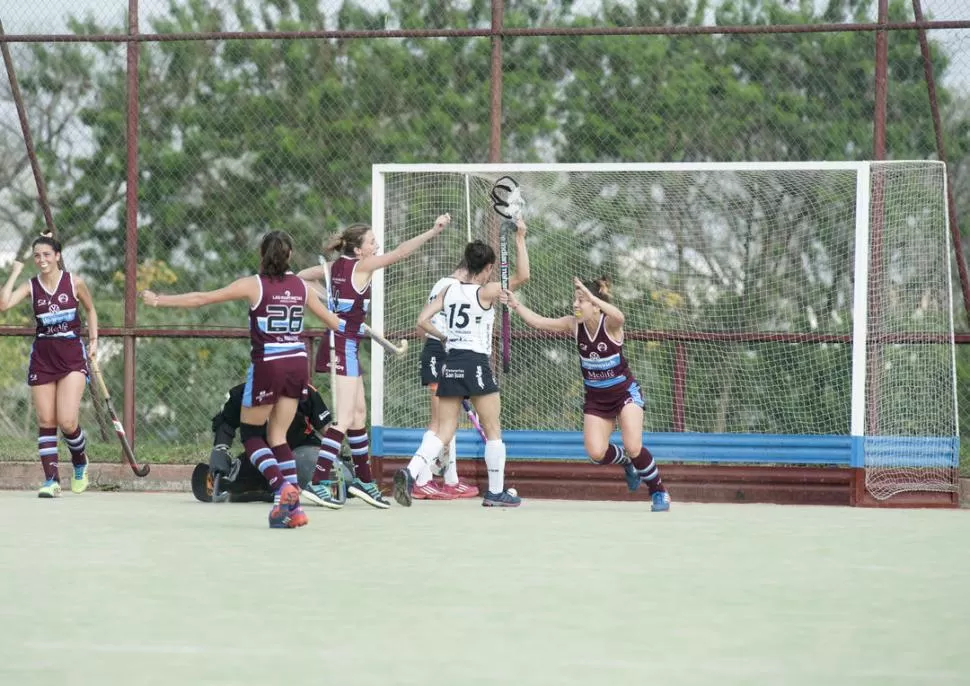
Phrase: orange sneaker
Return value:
(281, 516)
(298, 517)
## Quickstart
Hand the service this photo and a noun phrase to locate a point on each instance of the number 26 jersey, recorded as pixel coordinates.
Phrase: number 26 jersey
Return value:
(469, 324)
(276, 321)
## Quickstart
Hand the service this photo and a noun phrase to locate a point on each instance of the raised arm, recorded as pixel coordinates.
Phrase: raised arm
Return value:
(246, 288)
(537, 321)
(614, 317)
(369, 265)
(10, 297)
(521, 257)
(429, 311)
(84, 297)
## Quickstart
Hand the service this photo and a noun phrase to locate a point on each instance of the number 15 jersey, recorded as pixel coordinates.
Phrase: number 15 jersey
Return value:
(276, 321)
(469, 324)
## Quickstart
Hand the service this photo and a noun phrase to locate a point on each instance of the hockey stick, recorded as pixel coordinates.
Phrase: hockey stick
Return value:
(333, 341)
(119, 429)
(399, 349)
(507, 203)
(473, 418)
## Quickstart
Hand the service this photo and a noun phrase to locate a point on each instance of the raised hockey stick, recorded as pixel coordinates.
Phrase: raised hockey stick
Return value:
(507, 203)
(119, 428)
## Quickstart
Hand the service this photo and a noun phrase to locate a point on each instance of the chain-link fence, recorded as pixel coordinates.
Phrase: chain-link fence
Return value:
(173, 133)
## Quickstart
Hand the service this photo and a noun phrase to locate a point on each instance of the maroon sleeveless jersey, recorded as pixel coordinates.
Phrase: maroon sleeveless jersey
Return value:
(276, 321)
(605, 371)
(56, 312)
(350, 304)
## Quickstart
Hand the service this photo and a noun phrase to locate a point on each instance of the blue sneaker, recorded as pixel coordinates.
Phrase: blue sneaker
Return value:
(79, 479)
(506, 498)
(49, 489)
(660, 501)
(403, 485)
(369, 493)
(632, 477)
(323, 494)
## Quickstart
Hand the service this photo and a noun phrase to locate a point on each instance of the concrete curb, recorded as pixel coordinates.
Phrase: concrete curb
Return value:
(175, 478)
(103, 476)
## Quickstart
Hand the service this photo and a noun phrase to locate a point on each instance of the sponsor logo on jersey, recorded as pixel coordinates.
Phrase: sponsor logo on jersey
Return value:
(601, 347)
(62, 298)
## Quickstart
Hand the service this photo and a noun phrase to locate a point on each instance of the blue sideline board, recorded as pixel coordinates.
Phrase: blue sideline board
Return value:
(714, 448)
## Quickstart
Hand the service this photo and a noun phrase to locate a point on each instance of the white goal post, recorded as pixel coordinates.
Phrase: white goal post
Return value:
(808, 299)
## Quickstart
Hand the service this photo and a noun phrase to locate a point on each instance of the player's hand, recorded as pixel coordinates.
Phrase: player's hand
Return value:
(17, 266)
(584, 293)
(507, 298)
(93, 349)
(150, 298)
(441, 222)
(520, 227)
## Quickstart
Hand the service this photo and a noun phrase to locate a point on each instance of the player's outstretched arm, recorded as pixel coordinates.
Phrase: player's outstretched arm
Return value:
(8, 296)
(316, 306)
(369, 265)
(429, 311)
(537, 321)
(522, 273)
(246, 288)
(314, 274)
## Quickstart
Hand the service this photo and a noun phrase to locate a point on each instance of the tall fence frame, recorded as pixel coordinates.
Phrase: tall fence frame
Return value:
(497, 32)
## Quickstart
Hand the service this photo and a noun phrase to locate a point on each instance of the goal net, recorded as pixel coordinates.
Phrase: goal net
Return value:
(760, 298)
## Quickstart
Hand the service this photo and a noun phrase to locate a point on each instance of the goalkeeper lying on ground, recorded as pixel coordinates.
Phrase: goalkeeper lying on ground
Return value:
(236, 479)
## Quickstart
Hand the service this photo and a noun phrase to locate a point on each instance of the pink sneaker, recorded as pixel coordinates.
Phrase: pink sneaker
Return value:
(461, 490)
(430, 491)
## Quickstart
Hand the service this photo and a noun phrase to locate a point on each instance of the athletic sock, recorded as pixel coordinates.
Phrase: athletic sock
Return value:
(360, 452)
(328, 455)
(495, 463)
(47, 447)
(616, 455)
(647, 468)
(287, 463)
(76, 443)
(263, 459)
(451, 469)
(426, 453)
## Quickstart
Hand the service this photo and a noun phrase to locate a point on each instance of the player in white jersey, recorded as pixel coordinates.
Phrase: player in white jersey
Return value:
(469, 309)
(432, 362)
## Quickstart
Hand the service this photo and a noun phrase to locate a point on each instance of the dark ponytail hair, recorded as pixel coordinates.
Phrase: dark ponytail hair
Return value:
(274, 254)
(601, 288)
(347, 240)
(478, 255)
(47, 238)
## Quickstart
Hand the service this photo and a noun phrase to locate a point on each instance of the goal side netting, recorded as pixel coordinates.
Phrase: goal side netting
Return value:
(745, 313)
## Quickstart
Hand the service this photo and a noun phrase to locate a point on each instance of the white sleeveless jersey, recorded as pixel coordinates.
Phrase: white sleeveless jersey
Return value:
(469, 324)
(440, 320)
